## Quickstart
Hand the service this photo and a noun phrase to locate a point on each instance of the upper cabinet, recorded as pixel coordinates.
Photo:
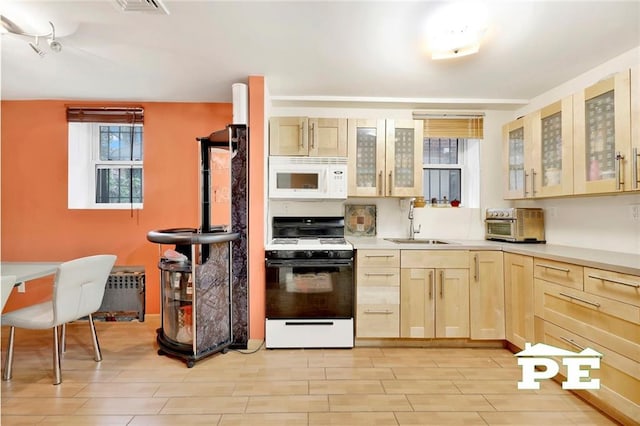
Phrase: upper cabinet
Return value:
(385, 158)
(587, 143)
(552, 134)
(517, 154)
(314, 137)
(602, 129)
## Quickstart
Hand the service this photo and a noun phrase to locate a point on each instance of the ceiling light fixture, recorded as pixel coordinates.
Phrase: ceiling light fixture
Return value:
(12, 28)
(456, 30)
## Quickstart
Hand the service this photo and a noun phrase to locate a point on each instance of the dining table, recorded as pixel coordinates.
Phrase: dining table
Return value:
(27, 271)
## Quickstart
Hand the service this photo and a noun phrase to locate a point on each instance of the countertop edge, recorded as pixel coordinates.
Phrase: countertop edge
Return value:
(626, 263)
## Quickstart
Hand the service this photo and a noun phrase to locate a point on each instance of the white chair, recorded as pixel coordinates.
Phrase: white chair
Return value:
(8, 281)
(78, 290)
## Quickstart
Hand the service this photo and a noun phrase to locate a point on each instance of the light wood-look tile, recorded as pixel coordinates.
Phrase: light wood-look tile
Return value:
(468, 418)
(352, 419)
(135, 386)
(264, 419)
(449, 403)
(369, 403)
(345, 387)
(287, 404)
(175, 419)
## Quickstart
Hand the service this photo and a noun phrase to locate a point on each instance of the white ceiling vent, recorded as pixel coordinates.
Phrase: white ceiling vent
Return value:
(150, 6)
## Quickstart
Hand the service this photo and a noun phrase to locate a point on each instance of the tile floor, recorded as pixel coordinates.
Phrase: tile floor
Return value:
(361, 386)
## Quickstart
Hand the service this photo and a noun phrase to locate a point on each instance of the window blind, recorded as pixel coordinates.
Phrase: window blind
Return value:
(452, 125)
(122, 115)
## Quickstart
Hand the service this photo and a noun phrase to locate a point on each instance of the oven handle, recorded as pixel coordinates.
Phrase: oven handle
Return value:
(270, 263)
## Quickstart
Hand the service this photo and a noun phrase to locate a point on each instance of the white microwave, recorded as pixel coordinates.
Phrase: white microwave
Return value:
(307, 177)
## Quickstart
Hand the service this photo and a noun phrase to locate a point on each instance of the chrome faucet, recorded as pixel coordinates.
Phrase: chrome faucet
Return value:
(412, 230)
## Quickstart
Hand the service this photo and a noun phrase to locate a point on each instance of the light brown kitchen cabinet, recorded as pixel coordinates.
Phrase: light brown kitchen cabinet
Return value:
(313, 137)
(581, 307)
(518, 158)
(633, 168)
(377, 293)
(385, 158)
(602, 132)
(518, 294)
(486, 291)
(551, 173)
(434, 294)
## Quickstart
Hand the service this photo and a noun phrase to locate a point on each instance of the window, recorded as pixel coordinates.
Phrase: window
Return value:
(105, 161)
(442, 170)
(451, 158)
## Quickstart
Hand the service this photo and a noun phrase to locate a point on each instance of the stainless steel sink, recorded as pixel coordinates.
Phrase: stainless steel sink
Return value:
(416, 241)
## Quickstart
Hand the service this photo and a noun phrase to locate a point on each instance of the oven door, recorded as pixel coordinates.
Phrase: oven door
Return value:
(309, 289)
(500, 229)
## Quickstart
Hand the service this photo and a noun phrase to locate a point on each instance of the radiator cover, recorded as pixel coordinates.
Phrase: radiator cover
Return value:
(124, 295)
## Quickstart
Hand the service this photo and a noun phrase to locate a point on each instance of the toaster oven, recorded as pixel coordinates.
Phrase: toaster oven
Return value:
(517, 225)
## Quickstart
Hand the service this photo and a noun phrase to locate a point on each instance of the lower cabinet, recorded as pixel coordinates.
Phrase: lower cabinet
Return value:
(518, 296)
(378, 293)
(486, 294)
(579, 307)
(434, 301)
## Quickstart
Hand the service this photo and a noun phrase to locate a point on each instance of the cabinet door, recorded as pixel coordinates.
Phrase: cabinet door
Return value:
(516, 157)
(328, 137)
(452, 302)
(404, 141)
(288, 136)
(417, 297)
(552, 131)
(633, 174)
(518, 289)
(602, 116)
(366, 158)
(486, 289)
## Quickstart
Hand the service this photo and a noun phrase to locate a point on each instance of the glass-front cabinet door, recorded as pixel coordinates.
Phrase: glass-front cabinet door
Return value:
(553, 146)
(516, 153)
(602, 133)
(366, 140)
(404, 158)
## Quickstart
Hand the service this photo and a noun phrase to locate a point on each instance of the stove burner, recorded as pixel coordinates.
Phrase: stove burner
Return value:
(285, 241)
(332, 240)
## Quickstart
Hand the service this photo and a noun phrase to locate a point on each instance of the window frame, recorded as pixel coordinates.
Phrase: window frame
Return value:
(469, 166)
(84, 161)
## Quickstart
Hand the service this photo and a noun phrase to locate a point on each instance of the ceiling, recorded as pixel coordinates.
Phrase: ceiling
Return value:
(306, 50)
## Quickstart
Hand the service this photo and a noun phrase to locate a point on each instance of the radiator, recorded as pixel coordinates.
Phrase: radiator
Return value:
(124, 295)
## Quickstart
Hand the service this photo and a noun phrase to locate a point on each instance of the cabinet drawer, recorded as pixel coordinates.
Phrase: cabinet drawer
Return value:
(378, 277)
(612, 324)
(561, 273)
(378, 320)
(378, 258)
(434, 259)
(617, 372)
(381, 295)
(621, 287)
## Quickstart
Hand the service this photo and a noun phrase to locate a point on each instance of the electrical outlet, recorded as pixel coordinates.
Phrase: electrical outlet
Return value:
(552, 212)
(22, 288)
(635, 212)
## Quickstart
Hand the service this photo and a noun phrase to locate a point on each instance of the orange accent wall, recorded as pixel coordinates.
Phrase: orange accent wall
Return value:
(256, 268)
(35, 223)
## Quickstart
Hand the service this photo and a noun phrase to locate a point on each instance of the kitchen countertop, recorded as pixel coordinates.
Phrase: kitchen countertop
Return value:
(626, 263)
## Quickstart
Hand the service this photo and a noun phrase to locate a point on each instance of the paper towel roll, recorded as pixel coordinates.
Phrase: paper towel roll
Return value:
(240, 99)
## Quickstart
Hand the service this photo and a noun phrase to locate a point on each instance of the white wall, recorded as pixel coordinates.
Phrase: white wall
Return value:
(598, 222)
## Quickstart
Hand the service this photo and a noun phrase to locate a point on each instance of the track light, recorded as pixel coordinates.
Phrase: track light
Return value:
(10, 27)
